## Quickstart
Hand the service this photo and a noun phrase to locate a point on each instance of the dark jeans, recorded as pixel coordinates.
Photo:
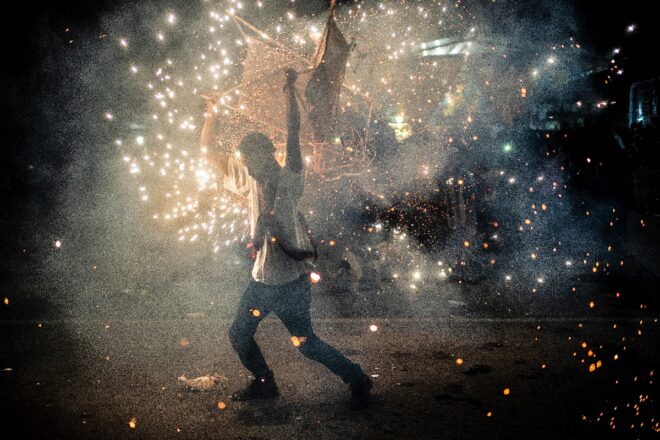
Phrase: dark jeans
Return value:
(290, 302)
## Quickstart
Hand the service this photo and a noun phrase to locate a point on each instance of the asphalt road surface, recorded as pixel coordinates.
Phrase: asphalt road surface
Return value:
(519, 378)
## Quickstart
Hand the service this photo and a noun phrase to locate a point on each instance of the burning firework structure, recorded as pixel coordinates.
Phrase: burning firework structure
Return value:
(334, 145)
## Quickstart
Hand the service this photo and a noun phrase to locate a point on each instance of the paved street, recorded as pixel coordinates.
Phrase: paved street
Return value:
(103, 374)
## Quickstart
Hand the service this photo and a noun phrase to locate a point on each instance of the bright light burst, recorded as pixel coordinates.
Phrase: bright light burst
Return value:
(176, 180)
(175, 175)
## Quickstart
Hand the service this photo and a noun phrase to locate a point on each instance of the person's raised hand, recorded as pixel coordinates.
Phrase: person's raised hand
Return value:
(211, 103)
(290, 77)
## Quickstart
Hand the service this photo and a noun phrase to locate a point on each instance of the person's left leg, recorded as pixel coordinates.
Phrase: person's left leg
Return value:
(293, 309)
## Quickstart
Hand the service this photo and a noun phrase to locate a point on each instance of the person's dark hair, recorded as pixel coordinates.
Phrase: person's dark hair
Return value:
(255, 144)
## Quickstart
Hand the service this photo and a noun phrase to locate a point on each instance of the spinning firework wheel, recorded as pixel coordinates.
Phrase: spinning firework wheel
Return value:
(335, 117)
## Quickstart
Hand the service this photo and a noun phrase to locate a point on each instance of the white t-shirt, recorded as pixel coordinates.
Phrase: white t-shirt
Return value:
(273, 265)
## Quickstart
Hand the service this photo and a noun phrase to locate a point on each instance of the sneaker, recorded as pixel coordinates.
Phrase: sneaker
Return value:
(360, 391)
(263, 387)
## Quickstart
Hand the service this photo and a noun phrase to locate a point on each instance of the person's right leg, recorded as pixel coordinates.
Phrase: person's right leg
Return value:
(252, 309)
(250, 312)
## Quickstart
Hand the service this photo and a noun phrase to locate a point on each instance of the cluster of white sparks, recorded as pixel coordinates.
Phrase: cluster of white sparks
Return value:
(173, 173)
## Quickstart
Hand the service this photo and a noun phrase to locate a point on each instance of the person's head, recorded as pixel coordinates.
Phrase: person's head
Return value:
(256, 151)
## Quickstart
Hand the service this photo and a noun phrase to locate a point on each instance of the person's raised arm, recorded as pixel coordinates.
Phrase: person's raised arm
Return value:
(293, 157)
(217, 159)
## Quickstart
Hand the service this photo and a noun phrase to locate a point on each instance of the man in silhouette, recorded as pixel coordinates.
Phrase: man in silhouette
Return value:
(280, 279)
